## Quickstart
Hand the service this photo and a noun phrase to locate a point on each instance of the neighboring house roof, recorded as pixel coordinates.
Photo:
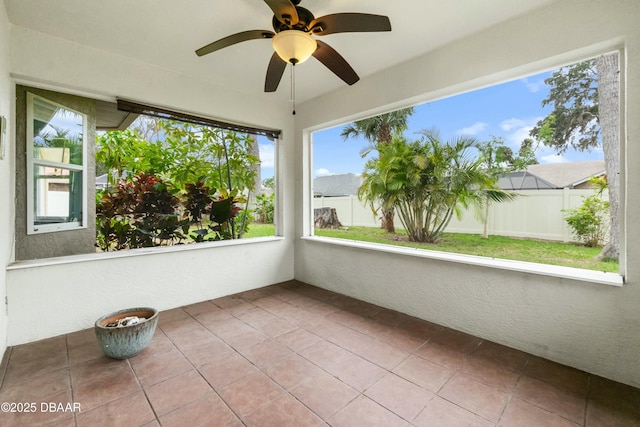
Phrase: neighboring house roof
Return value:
(101, 182)
(337, 185)
(523, 181)
(553, 175)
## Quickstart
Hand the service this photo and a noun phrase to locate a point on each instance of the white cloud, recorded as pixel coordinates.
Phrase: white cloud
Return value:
(553, 158)
(474, 129)
(513, 123)
(533, 86)
(267, 155)
(323, 172)
(517, 130)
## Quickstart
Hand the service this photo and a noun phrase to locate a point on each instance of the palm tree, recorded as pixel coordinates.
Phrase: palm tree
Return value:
(427, 182)
(379, 131)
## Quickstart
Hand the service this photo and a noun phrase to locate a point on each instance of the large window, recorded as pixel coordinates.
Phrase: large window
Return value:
(56, 169)
(495, 172)
(175, 179)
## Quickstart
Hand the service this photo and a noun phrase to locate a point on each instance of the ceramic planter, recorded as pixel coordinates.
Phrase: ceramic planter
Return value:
(123, 342)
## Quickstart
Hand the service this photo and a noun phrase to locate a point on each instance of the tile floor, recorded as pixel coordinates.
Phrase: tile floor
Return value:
(295, 355)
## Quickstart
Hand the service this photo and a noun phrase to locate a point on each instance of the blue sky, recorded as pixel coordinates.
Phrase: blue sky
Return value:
(508, 110)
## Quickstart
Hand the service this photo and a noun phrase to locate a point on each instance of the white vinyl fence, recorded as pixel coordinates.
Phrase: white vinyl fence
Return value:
(533, 214)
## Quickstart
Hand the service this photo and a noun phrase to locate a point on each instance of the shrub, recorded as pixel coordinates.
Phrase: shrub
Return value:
(265, 208)
(590, 221)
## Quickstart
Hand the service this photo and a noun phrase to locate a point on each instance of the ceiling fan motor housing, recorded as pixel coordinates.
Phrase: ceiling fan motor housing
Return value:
(305, 17)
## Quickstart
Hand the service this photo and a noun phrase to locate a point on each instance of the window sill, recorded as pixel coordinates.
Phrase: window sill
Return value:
(137, 252)
(601, 277)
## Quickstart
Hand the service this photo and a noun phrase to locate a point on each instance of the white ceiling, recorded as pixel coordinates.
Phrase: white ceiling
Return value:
(167, 32)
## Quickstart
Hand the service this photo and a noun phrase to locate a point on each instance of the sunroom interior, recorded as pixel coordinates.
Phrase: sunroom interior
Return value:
(145, 52)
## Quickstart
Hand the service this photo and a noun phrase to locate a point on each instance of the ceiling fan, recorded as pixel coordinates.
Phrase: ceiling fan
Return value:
(293, 42)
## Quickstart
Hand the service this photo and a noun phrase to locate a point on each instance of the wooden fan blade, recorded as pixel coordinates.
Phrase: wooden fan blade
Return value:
(233, 39)
(284, 11)
(349, 23)
(335, 62)
(275, 70)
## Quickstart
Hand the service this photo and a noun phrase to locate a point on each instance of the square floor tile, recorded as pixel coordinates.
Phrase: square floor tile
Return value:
(441, 354)
(490, 373)
(357, 372)
(284, 411)
(424, 373)
(227, 370)
(501, 355)
(96, 390)
(522, 414)
(129, 411)
(399, 396)
(441, 413)
(324, 394)
(460, 341)
(266, 352)
(383, 354)
(298, 339)
(177, 391)
(558, 401)
(166, 365)
(207, 411)
(364, 412)
(250, 393)
(475, 397)
(550, 372)
(292, 370)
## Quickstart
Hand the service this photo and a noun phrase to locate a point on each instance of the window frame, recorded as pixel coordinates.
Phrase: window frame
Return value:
(617, 279)
(32, 162)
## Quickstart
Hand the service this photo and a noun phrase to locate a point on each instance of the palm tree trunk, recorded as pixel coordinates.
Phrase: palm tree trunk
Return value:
(387, 220)
(485, 228)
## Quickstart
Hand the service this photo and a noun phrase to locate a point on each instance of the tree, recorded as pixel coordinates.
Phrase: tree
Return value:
(427, 182)
(378, 131)
(586, 109)
(214, 169)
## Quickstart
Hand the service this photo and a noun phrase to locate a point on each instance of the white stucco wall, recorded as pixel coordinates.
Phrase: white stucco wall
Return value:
(592, 327)
(52, 298)
(6, 173)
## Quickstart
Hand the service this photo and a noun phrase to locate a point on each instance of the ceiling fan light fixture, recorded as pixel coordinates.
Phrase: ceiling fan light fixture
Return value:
(294, 46)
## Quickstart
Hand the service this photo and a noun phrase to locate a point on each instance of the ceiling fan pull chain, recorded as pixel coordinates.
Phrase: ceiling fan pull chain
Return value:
(293, 86)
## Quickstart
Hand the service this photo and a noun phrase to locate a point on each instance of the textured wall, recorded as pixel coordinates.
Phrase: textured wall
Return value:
(6, 173)
(59, 243)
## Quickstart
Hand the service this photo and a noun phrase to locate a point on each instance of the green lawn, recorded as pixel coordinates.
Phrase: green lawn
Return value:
(259, 230)
(556, 253)
(545, 252)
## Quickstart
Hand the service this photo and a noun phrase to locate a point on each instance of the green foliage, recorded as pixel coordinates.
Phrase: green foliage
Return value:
(187, 182)
(185, 153)
(590, 221)
(125, 154)
(427, 182)
(222, 159)
(140, 213)
(380, 131)
(265, 207)
(573, 122)
(147, 212)
(269, 183)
